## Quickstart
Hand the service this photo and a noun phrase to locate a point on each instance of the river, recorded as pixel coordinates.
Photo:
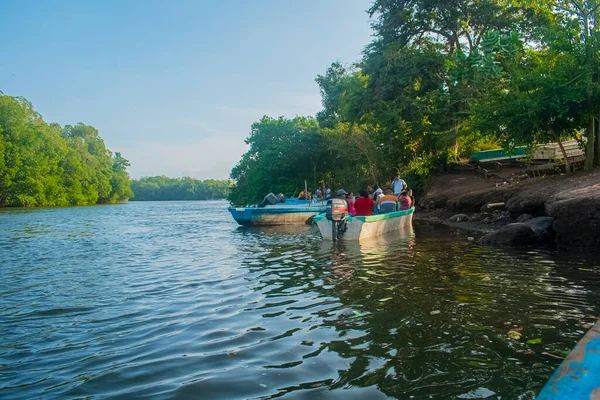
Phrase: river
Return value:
(174, 300)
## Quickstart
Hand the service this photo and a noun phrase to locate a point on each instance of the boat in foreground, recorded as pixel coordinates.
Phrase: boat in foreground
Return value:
(578, 377)
(288, 213)
(358, 228)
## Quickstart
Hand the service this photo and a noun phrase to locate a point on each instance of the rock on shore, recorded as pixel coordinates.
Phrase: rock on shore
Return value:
(576, 216)
(535, 230)
(564, 208)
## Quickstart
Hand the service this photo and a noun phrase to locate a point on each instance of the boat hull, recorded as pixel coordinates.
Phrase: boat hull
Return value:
(275, 215)
(577, 376)
(359, 228)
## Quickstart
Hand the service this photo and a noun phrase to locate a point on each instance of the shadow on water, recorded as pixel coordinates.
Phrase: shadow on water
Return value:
(175, 301)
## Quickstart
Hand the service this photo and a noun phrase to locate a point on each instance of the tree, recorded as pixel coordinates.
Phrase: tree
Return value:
(283, 154)
(43, 164)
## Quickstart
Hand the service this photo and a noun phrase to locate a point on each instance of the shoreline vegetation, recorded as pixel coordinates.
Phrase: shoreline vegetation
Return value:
(439, 81)
(162, 188)
(45, 165)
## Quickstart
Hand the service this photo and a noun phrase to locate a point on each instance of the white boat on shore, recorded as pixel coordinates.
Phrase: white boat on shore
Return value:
(358, 228)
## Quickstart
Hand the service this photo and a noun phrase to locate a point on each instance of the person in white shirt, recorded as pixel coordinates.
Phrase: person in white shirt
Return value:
(378, 195)
(328, 194)
(398, 185)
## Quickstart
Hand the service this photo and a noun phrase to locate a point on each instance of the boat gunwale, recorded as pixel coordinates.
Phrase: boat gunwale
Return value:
(372, 218)
(276, 210)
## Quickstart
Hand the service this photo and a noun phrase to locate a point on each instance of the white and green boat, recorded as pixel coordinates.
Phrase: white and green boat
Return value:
(358, 228)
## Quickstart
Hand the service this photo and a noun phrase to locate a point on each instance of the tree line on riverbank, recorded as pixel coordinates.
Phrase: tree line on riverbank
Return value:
(159, 188)
(440, 80)
(44, 164)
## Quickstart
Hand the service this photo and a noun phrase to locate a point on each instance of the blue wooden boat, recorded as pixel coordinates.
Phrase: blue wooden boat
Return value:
(291, 212)
(578, 377)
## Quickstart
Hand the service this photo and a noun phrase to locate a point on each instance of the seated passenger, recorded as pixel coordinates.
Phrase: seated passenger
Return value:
(319, 194)
(404, 200)
(388, 203)
(377, 195)
(363, 205)
(350, 199)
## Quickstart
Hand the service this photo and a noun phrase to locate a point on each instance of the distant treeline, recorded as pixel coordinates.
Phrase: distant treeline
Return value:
(44, 164)
(159, 188)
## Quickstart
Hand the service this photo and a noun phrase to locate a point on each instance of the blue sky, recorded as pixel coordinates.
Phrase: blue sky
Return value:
(175, 85)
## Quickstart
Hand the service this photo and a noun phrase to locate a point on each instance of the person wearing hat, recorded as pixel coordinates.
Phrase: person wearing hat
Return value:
(341, 194)
(377, 200)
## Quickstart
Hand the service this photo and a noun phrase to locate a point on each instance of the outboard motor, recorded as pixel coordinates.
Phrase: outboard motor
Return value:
(336, 211)
(269, 199)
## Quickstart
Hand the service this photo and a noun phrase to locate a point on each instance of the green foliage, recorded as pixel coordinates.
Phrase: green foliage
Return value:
(43, 164)
(160, 188)
(283, 153)
(440, 80)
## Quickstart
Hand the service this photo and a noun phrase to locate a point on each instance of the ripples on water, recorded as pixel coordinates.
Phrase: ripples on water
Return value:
(173, 300)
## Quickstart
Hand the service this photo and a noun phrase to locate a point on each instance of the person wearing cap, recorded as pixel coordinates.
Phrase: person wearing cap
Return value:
(377, 200)
(341, 194)
(319, 194)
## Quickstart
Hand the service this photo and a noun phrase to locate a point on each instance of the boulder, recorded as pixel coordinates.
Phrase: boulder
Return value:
(526, 203)
(491, 207)
(431, 202)
(576, 215)
(542, 227)
(524, 217)
(459, 218)
(511, 234)
(473, 201)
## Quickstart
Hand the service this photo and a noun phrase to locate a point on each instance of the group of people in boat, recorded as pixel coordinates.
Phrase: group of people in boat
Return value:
(370, 200)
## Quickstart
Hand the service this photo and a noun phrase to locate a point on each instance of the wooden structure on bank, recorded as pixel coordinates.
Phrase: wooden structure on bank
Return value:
(544, 157)
(544, 152)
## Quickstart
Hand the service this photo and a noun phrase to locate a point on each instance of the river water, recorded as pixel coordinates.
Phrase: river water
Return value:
(174, 300)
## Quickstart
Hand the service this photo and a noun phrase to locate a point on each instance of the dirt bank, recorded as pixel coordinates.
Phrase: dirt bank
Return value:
(462, 199)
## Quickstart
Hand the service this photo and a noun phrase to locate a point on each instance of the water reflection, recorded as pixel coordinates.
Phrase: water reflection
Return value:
(173, 300)
(420, 316)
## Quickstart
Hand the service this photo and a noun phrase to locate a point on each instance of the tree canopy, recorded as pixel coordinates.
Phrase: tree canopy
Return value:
(439, 80)
(45, 164)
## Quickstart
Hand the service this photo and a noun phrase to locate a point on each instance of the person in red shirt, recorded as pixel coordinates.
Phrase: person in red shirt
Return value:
(363, 205)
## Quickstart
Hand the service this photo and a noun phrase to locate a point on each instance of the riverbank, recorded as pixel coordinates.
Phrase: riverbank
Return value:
(506, 208)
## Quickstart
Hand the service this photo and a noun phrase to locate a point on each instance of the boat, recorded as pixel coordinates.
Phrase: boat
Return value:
(577, 378)
(543, 152)
(358, 228)
(288, 213)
